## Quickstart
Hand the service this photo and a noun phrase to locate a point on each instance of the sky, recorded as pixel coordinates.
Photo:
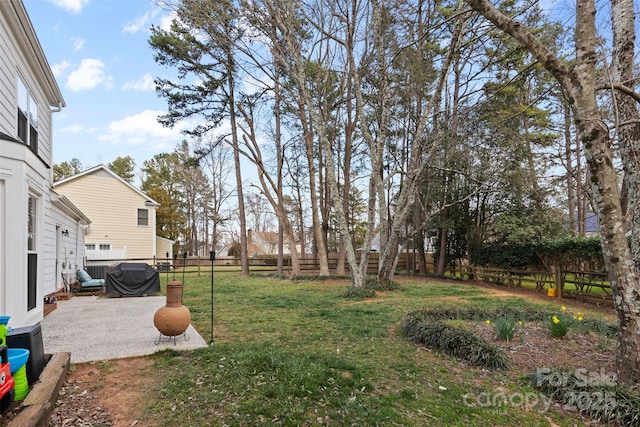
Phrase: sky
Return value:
(99, 53)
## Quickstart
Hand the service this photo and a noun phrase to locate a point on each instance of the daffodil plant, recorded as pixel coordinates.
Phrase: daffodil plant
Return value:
(560, 324)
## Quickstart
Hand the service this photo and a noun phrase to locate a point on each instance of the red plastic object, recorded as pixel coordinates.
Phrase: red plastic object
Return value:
(7, 382)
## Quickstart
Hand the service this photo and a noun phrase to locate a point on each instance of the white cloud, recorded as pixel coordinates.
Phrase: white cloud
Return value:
(143, 129)
(138, 24)
(252, 85)
(59, 69)
(88, 75)
(77, 44)
(143, 83)
(165, 20)
(73, 6)
(76, 128)
(144, 22)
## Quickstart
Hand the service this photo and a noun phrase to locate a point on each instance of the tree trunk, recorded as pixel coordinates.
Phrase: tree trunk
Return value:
(320, 248)
(417, 166)
(244, 259)
(572, 200)
(346, 166)
(578, 83)
(628, 128)
(442, 252)
(280, 160)
(269, 186)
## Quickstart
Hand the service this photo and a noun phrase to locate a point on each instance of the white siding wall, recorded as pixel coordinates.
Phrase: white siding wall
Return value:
(68, 249)
(19, 180)
(21, 171)
(7, 82)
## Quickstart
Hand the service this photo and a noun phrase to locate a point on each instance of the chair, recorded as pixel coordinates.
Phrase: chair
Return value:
(86, 281)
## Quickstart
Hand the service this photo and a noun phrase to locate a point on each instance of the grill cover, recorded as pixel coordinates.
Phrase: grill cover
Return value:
(132, 279)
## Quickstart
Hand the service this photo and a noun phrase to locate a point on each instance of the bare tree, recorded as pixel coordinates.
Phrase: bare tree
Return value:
(219, 167)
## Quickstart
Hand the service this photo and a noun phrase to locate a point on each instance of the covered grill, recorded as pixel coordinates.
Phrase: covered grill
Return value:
(132, 279)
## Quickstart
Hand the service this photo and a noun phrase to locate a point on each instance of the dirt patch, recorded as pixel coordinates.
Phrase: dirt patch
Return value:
(533, 347)
(110, 393)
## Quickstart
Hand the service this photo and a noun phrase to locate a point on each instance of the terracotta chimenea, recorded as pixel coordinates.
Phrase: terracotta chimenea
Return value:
(174, 318)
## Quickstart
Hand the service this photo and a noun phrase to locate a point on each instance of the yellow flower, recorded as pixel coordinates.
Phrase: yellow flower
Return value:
(579, 318)
(555, 319)
(520, 322)
(564, 308)
(488, 322)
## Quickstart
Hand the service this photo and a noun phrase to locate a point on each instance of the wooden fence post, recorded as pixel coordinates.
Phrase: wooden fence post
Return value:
(559, 281)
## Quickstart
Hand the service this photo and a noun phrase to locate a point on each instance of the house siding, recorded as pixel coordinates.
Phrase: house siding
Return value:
(16, 65)
(7, 82)
(114, 213)
(164, 247)
(19, 183)
(22, 172)
(68, 248)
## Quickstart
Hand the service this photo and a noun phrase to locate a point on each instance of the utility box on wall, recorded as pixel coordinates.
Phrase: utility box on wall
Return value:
(29, 337)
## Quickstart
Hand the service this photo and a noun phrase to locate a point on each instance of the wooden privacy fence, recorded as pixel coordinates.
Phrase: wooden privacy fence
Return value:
(566, 283)
(308, 264)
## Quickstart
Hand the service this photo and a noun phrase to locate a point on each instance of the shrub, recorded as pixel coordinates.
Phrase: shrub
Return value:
(359, 293)
(454, 341)
(565, 252)
(387, 285)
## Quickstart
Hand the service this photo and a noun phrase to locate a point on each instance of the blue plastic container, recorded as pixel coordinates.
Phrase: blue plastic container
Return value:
(17, 358)
(4, 320)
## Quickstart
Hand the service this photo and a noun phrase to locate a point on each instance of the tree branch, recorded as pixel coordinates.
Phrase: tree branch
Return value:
(546, 57)
(623, 89)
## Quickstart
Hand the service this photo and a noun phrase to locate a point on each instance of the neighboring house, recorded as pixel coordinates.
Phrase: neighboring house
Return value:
(164, 248)
(592, 227)
(32, 218)
(265, 243)
(123, 218)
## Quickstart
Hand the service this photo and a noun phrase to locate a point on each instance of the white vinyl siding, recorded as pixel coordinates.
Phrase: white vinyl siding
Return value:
(7, 83)
(24, 172)
(68, 249)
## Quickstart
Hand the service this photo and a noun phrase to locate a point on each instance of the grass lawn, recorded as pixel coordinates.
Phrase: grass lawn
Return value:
(299, 353)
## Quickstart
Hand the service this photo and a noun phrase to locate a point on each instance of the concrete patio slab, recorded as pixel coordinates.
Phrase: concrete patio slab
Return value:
(96, 328)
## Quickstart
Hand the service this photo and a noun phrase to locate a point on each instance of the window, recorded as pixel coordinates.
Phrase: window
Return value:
(27, 117)
(98, 246)
(31, 224)
(32, 254)
(143, 216)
